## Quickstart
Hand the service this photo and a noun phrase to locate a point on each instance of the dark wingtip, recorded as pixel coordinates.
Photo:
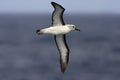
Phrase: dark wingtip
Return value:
(54, 3)
(63, 67)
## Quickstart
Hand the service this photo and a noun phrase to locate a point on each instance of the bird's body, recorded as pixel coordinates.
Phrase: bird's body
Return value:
(55, 30)
(59, 29)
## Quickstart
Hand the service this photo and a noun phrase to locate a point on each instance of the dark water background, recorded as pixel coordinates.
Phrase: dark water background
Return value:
(94, 55)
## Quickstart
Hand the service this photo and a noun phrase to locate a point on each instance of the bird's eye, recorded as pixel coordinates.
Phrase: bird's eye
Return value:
(73, 26)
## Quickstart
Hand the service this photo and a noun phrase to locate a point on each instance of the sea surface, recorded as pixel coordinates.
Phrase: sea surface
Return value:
(94, 51)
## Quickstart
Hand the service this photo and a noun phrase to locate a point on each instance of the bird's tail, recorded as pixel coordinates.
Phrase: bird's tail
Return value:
(39, 32)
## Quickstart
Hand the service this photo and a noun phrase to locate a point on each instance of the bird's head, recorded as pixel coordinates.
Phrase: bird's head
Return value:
(73, 27)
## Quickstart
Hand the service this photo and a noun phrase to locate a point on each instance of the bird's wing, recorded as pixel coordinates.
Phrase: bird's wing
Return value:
(63, 50)
(57, 15)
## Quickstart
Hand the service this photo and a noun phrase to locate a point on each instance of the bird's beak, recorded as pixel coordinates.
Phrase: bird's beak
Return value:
(78, 29)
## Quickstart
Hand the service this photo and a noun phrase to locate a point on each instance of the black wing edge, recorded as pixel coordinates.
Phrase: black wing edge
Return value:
(63, 65)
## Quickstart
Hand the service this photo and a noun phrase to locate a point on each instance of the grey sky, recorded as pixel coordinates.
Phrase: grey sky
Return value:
(72, 6)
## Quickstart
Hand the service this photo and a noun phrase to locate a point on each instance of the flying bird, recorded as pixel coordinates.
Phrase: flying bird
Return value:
(59, 30)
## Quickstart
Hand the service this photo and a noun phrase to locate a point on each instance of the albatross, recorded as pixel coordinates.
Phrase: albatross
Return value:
(59, 30)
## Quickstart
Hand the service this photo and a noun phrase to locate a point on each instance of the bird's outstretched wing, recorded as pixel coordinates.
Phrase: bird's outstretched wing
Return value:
(57, 15)
(63, 50)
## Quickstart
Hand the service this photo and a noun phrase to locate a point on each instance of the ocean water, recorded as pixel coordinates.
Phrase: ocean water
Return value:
(94, 51)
